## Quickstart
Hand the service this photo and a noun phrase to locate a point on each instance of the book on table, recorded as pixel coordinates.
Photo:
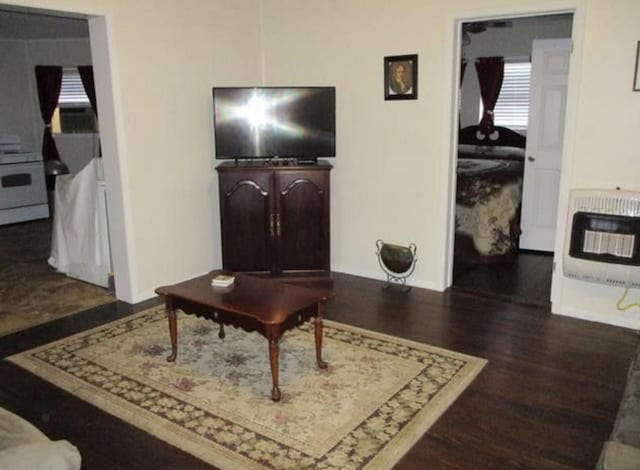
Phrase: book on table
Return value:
(222, 280)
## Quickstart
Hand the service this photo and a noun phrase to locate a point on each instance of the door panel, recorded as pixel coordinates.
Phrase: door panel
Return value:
(553, 105)
(246, 222)
(546, 182)
(549, 76)
(302, 222)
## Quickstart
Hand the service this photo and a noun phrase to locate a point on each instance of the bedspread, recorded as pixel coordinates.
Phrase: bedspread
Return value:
(487, 209)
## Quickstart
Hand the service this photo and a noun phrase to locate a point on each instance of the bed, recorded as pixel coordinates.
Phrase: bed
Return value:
(489, 190)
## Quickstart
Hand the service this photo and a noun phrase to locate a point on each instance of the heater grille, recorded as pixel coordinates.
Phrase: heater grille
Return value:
(603, 237)
(607, 202)
(615, 244)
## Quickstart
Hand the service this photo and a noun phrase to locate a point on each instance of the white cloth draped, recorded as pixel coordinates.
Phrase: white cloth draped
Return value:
(79, 240)
(24, 447)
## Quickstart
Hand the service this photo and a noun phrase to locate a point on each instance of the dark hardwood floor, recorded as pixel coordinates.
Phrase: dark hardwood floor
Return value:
(546, 400)
(527, 279)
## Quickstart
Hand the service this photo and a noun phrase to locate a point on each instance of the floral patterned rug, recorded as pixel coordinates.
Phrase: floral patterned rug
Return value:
(377, 397)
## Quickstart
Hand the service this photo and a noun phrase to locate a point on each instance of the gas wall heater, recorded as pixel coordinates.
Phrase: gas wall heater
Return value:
(603, 237)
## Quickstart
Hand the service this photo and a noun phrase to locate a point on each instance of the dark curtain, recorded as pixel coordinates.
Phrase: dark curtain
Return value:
(49, 80)
(86, 75)
(490, 74)
(463, 67)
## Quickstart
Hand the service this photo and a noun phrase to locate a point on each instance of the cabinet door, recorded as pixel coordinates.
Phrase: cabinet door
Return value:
(246, 222)
(302, 222)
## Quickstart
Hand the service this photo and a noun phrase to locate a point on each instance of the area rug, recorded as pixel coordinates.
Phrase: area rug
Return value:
(32, 292)
(377, 397)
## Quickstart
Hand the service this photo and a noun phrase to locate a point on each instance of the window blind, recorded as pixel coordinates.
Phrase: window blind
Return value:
(512, 108)
(72, 91)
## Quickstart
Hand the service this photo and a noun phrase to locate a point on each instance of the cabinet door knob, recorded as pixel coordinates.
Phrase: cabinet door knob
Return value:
(278, 224)
(531, 159)
(271, 225)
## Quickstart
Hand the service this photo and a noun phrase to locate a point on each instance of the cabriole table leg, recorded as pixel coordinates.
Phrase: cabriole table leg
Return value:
(317, 327)
(274, 358)
(173, 333)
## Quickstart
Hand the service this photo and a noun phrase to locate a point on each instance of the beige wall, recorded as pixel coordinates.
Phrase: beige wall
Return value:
(393, 171)
(166, 56)
(606, 124)
(16, 115)
(388, 172)
(155, 64)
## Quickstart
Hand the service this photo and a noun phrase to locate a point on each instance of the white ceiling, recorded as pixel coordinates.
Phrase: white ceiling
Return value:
(22, 23)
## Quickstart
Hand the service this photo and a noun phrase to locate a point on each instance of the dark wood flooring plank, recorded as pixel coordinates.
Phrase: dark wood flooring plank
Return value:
(525, 279)
(104, 441)
(546, 400)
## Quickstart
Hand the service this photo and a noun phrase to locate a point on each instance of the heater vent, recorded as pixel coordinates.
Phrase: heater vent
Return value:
(602, 243)
(616, 244)
(607, 202)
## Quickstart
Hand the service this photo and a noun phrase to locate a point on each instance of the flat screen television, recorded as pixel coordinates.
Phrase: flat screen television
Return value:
(269, 122)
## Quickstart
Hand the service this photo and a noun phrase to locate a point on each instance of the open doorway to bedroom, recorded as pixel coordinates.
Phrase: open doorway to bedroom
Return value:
(511, 125)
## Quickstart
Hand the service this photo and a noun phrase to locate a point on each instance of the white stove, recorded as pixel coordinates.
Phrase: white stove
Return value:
(23, 190)
(19, 157)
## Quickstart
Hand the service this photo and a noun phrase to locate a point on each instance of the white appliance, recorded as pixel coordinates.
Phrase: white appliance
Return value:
(602, 243)
(23, 190)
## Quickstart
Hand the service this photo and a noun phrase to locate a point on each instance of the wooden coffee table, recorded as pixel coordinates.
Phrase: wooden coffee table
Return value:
(254, 304)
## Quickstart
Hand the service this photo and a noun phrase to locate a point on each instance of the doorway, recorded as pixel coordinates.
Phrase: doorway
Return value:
(42, 37)
(492, 261)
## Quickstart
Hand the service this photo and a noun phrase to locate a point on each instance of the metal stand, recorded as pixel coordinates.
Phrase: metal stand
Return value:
(397, 262)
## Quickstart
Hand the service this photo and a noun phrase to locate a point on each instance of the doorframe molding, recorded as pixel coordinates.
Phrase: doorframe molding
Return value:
(100, 22)
(577, 9)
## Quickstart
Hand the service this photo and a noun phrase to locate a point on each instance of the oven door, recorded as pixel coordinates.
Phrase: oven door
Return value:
(22, 184)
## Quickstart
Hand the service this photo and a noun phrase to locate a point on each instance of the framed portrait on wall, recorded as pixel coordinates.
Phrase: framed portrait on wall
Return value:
(401, 77)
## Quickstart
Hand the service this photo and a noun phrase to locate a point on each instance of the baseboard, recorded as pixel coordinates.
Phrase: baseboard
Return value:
(624, 322)
(141, 297)
(380, 276)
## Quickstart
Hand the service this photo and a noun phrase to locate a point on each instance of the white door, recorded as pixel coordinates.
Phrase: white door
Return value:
(543, 155)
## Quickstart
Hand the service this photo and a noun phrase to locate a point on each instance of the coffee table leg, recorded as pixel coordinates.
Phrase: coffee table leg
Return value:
(274, 358)
(318, 334)
(173, 331)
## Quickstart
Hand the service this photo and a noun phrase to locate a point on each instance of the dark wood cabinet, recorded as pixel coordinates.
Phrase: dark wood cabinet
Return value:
(275, 219)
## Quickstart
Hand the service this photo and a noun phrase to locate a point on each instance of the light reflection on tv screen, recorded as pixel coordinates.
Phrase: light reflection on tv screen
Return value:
(266, 122)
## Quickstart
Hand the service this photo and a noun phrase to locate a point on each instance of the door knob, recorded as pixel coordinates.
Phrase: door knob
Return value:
(531, 159)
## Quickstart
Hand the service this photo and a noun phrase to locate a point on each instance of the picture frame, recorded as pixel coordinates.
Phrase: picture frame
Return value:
(636, 75)
(401, 77)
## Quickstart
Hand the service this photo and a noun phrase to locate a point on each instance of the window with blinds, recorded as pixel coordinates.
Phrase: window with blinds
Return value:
(72, 91)
(74, 113)
(512, 108)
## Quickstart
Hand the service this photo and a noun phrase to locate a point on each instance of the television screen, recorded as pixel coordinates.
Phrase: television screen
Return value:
(267, 122)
